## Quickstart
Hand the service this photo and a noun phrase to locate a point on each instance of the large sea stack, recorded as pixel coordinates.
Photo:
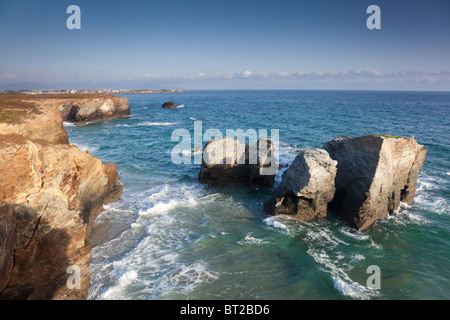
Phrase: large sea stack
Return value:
(374, 174)
(228, 161)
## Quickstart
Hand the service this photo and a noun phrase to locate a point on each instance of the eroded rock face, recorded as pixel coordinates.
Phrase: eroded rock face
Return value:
(114, 187)
(228, 161)
(36, 122)
(82, 110)
(50, 193)
(374, 174)
(57, 191)
(307, 186)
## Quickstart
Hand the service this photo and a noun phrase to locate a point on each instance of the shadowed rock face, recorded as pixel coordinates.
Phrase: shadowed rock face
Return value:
(170, 105)
(7, 240)
(374, 174)
(55, 193)
(229, 162)
(50, 193)
(307, 186)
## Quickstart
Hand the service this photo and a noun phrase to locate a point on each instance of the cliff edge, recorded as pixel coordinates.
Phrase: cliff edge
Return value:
(50, 193)
(75, 108)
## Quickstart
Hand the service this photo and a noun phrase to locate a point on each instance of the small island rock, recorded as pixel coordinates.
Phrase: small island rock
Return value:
(170, 105)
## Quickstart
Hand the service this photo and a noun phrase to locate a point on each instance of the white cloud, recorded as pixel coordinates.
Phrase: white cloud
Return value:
(7, 75)
(246, 78)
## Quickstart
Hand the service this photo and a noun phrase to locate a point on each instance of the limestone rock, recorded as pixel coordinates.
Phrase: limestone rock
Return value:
(374, 174)
(33, 121)
(114, 187)
(78, 109)
(224, 162)
(57, 192)
(262, 174)
(228, 161)
(307, 186)
(90, 109)
(50, 193)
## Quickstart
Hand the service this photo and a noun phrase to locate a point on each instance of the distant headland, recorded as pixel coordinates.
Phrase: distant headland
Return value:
(91, 91)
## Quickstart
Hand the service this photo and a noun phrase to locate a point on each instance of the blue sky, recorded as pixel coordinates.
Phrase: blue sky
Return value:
(227, 44)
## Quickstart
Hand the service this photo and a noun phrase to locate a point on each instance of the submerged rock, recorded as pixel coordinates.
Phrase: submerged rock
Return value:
(228, 161)
(307, 186)
(374, 173)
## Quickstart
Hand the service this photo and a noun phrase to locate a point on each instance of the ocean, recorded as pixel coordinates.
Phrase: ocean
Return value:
(170, 237)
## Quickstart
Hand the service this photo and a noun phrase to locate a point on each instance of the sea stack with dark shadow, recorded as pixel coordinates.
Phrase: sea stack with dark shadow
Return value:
(374, 174)
(363, 179)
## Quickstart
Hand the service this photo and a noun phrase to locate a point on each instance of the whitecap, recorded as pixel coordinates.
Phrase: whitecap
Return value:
(125, 280)
(355, 234)
(273, 222)
(249, 240)
(424, 185)
(148, 124)
(324, 237)
(193, 274)
(84, 147)
(436, 204)
(68, 124)
(351, 289)
(342, 282)
(164, 207)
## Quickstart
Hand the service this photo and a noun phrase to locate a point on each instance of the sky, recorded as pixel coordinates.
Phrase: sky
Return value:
(244, 44)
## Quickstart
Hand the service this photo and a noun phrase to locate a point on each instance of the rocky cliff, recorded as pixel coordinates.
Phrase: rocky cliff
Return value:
(50, 193)
(78, 109)
(90, 109)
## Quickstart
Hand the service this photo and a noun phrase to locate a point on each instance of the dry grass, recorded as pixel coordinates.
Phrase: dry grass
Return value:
(387, 136)
(14, 108)
(14, 111)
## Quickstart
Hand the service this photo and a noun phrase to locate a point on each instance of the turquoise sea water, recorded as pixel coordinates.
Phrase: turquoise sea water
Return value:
(170, 237)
